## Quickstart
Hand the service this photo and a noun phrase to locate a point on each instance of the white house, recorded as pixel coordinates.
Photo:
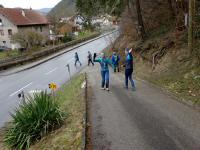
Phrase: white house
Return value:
(13, 20)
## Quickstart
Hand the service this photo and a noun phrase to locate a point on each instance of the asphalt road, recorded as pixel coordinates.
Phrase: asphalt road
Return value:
(38, 78)
(147, 119)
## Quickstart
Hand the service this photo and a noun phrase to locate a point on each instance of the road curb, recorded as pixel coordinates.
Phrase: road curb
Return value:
(85, 115)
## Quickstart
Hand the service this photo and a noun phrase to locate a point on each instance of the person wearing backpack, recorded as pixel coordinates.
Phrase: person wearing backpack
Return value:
(115, 61)
(104, 63)
(90, 58)
(129, 69)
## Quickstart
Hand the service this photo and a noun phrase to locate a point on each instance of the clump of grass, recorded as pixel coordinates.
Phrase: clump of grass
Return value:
(70, 136)
(33, 119)
(9, 53)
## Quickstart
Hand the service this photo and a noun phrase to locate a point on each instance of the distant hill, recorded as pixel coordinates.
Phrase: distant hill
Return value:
(64, 8)
(44, 10)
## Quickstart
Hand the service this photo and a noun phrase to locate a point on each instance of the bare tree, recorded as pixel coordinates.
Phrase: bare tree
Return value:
(139, 17)
(28, 39)
(136, 4)
(190, 29)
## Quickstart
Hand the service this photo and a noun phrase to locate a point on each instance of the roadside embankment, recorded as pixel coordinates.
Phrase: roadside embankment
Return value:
(25, 58)
(165, 62)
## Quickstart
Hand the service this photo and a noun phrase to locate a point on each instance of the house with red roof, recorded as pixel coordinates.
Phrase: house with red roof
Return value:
(13, 20)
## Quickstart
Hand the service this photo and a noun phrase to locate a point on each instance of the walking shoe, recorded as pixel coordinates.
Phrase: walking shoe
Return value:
(102, 88)
(107, 89)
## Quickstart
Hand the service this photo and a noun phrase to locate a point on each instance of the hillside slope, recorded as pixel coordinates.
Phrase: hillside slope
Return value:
(64, 8)
(162, 56)
(44, 10)
(164, 60)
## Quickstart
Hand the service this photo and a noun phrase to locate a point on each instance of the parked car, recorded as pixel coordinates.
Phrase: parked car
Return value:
(3, 48)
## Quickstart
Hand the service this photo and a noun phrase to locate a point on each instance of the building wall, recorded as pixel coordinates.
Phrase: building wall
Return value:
(5, 39)
(42, 29)
(4, 27)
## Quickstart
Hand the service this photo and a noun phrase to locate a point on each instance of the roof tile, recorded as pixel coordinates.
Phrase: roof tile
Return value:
(16, 16)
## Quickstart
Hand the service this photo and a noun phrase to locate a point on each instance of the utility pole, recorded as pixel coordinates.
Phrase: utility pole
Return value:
(190, 29)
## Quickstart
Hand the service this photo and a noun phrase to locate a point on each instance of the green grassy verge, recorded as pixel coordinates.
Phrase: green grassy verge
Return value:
(184, 83)
(12, 53)
(185, 86)
(85, 34)
(69, 136)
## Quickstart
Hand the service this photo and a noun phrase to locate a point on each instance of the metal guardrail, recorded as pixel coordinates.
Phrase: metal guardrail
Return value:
(20, 60)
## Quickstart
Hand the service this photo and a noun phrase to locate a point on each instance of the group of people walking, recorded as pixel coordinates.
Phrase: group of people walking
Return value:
(114, 62)
(90, 60)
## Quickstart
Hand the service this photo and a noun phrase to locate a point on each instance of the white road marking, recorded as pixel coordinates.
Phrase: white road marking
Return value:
(51, 71)
(21, 89)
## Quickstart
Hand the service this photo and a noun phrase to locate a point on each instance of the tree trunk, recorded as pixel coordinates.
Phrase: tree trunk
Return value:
(171, 8)
(190, 29)
(140, 19)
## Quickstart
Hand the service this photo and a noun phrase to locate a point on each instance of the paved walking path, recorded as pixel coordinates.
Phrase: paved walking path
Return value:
(147, 119)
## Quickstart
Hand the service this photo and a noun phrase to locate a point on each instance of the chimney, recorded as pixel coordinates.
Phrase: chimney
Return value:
(23, 13)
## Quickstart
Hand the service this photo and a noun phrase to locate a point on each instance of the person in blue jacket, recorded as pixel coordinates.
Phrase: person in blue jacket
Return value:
(115, 61)
(104, 63)
(129, 68)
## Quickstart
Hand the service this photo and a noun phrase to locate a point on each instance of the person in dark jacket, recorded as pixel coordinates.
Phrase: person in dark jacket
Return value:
(77, 59)
(94, 56)
(115, 61)
(90, 58)
(129, 68)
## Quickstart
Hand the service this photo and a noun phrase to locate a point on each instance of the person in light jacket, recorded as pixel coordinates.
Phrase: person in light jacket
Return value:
(104, 63)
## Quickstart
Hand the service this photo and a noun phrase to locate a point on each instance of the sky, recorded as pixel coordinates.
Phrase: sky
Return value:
(34, 4)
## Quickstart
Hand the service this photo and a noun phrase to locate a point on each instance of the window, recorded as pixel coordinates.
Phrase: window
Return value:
(9, 31)
(40, 29)
(1, 23)
(1, 33)
(4, 43)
